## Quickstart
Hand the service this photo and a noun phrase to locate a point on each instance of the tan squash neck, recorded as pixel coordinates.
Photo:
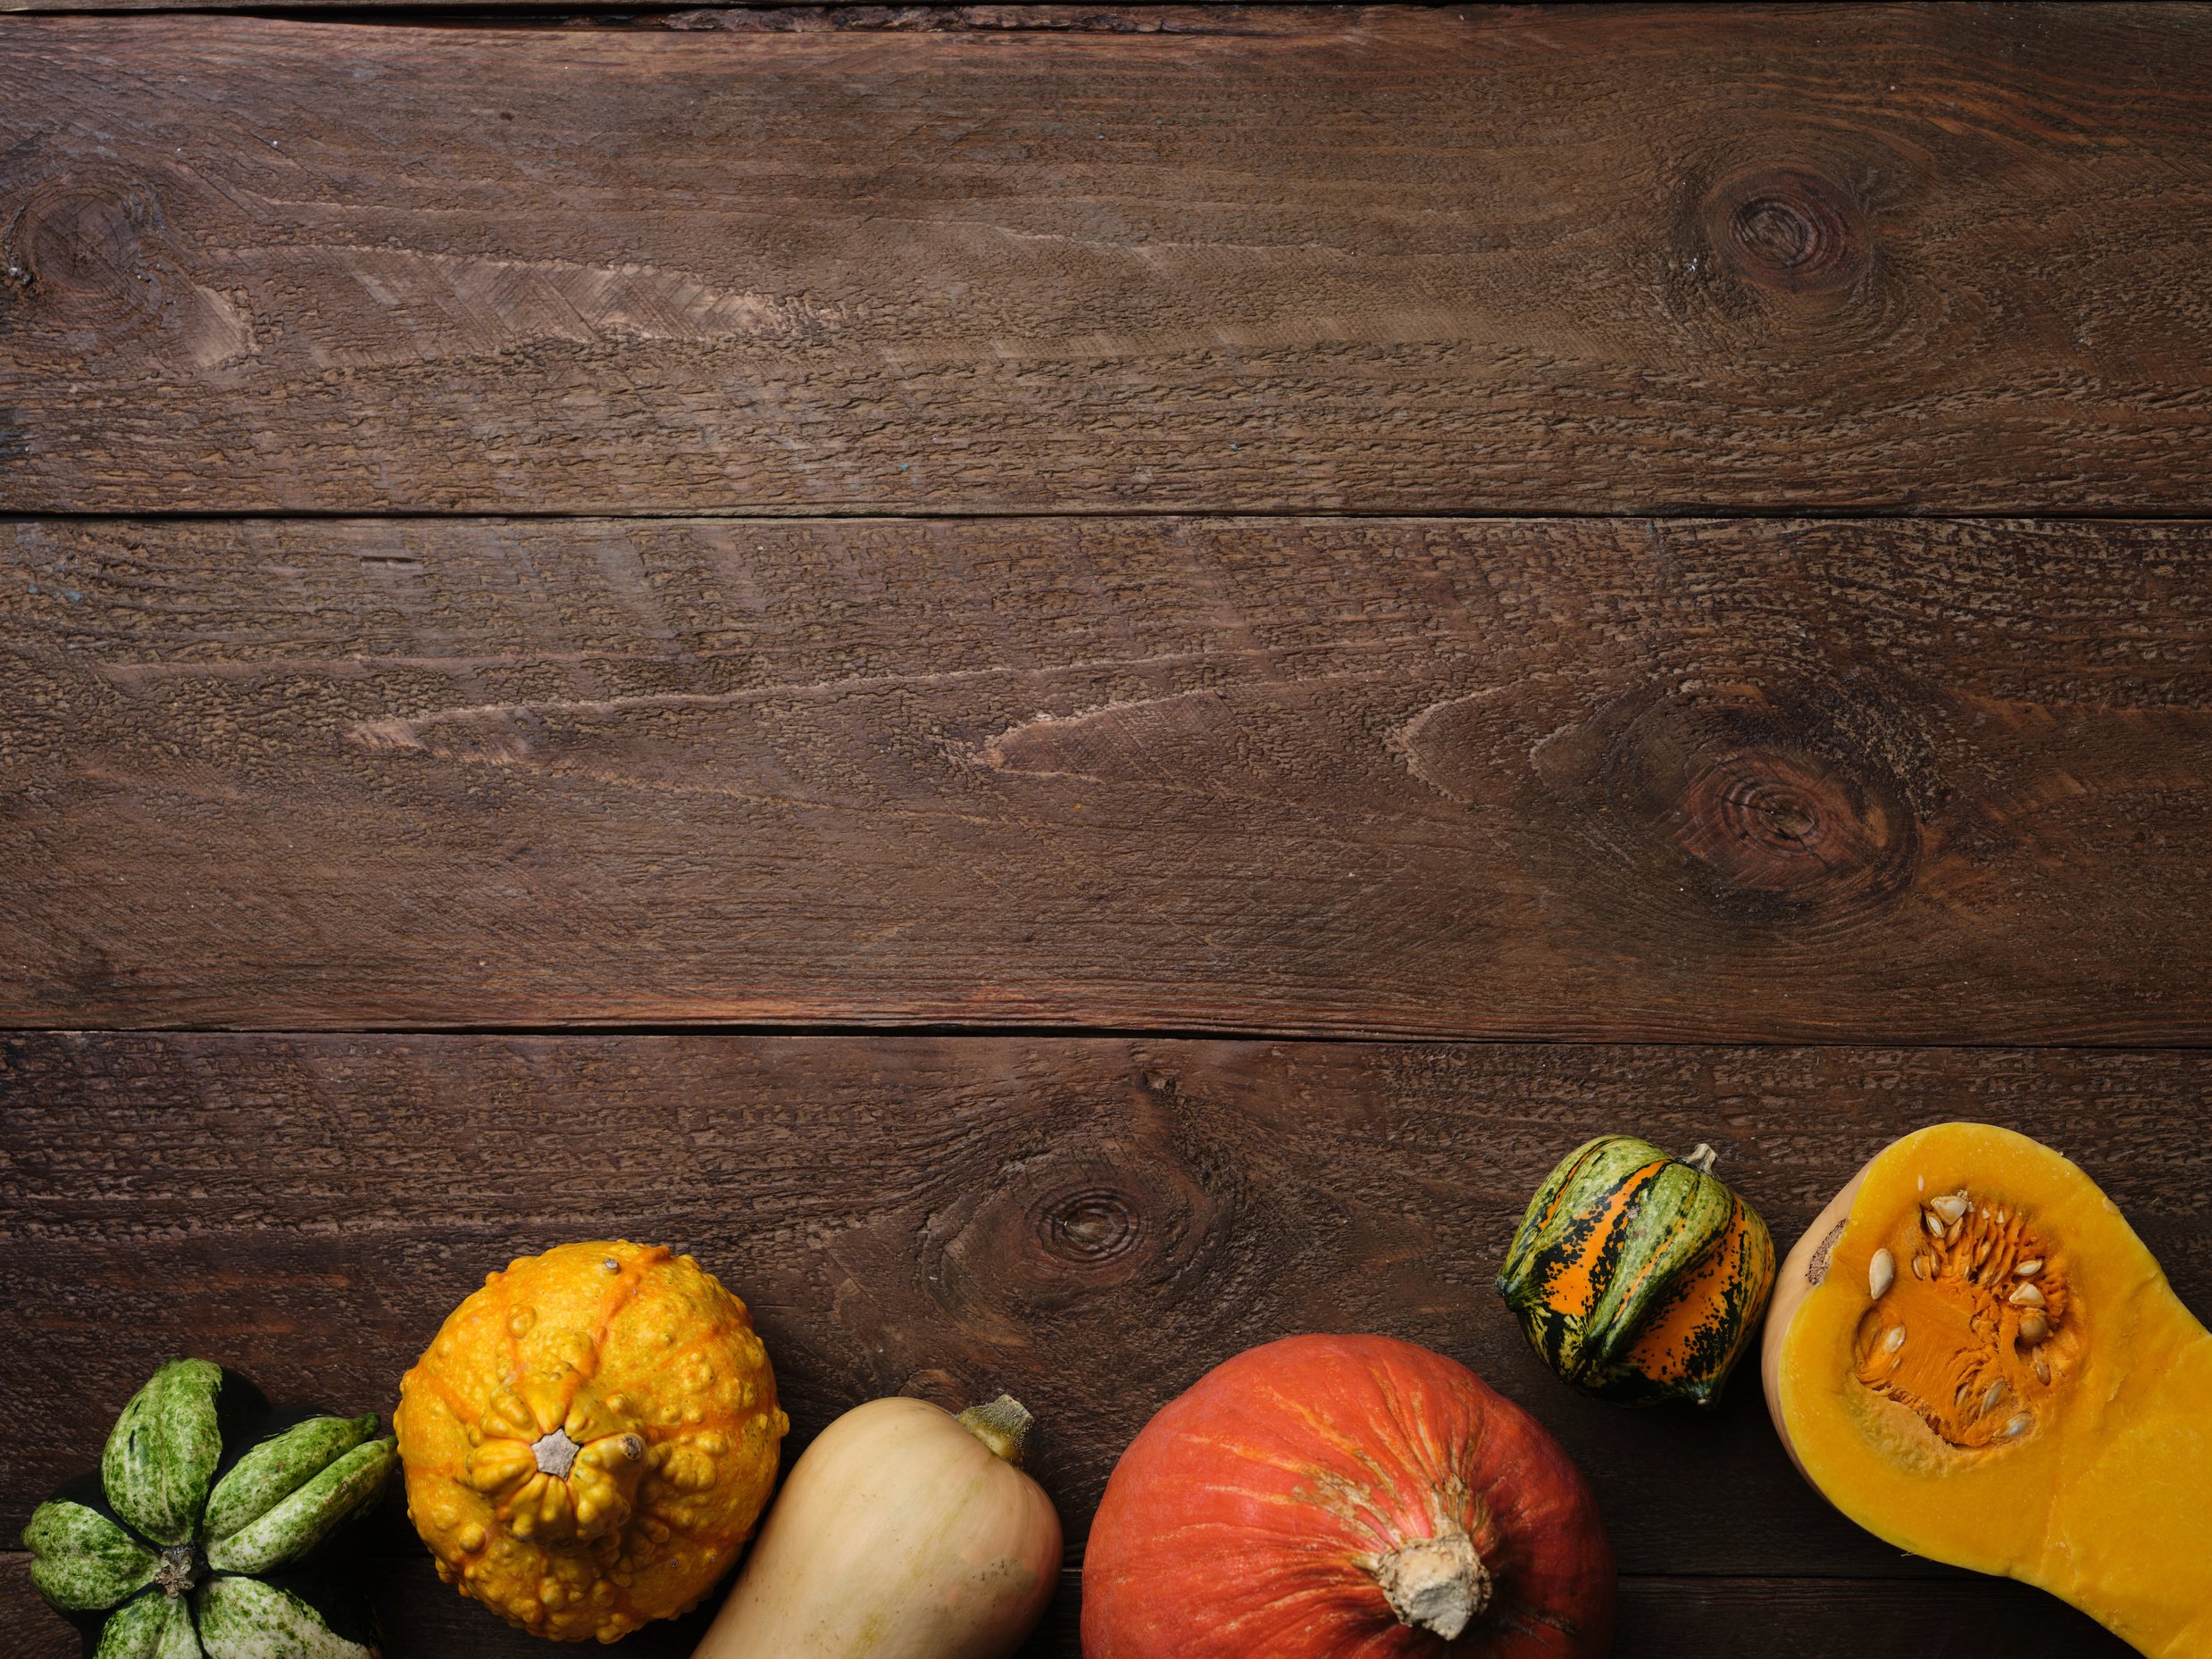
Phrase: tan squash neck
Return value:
(1436, 1584)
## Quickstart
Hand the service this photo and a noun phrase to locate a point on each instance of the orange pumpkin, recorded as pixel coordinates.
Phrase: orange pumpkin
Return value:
(1323, 1497)
(589, 1438)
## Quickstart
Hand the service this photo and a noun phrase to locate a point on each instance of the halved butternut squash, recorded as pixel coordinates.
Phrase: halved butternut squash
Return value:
(1972, 1355)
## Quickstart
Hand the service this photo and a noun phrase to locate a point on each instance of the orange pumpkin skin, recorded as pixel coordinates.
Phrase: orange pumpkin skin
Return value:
(1305, 1496)
(589, 1438)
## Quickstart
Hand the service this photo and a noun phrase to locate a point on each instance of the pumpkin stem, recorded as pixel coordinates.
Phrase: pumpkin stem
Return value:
(1002, 1426)
(1703, 1159)
(1436, 1584)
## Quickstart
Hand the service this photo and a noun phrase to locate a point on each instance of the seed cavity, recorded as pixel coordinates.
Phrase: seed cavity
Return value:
(1983, 1307)
(1881, 1273)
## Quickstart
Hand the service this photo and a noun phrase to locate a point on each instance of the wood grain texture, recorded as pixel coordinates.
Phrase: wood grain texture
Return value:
(1882, 780)
(1390, 260)
(1660, 1618)
(1089, 1223)
(759, 16)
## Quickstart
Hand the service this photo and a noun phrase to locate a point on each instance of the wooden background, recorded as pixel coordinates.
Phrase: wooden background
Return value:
(1069, 686)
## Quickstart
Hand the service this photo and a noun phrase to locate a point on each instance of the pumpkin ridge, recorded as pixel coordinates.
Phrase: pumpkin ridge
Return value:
(1594, 1243)
(689, 1534)
(445, 1395)
(627, 1282)
(717, 1334)
(1435, 1466)
(1259, 1452)
(1388, 1510)
(1318, 1483)
(1350, 1505)
(1434, 1462)
(1337, 1438)
(1554, 1191)
(1689, 1218)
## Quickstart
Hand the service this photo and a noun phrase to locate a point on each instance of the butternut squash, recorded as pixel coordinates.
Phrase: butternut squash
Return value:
(1972, 1355)
(904, 1532)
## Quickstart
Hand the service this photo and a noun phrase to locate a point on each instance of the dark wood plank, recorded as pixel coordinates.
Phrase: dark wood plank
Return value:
(756, 16)
(1091, 1223)
(1393, 260)
(1714, 1618)
(1880, 780)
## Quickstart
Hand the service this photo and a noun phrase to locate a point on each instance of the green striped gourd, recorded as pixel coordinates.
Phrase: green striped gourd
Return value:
(189, 1542)
(1637, 1276)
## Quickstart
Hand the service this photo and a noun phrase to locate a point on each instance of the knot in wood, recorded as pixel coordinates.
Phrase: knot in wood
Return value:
(91, 244)
(1088, 1228)
(1093, 1220)
(1787, 229)
(1785, 809)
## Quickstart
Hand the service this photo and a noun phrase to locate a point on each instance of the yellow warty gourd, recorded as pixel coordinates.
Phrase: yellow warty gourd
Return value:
(589, 1438)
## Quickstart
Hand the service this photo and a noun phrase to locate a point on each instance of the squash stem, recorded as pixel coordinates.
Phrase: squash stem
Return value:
(1002, 1426)
(1703, 1159)
(1435, 1584)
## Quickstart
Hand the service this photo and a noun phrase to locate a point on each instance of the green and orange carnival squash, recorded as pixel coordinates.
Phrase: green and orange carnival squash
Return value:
(1638, 1276)
(589, 1438)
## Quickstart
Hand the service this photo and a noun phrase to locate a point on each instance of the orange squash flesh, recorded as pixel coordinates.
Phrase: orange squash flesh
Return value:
(2026, 1395)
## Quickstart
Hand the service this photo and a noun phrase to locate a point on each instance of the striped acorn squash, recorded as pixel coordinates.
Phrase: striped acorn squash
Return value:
(190, 1539)
(1637, 1276)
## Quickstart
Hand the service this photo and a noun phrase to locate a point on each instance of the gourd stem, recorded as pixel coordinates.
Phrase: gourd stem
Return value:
(178, 1570)
(1436, 1584)
(1002, 1426)
(1703, 1159)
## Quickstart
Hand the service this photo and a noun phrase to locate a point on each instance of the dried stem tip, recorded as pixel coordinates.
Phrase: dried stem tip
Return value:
(1002, 1426)
(1438, 1584)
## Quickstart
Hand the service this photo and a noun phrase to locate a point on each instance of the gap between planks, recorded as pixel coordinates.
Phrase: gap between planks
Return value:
(1661, 512)
(889, 1031)
(1181, 22)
